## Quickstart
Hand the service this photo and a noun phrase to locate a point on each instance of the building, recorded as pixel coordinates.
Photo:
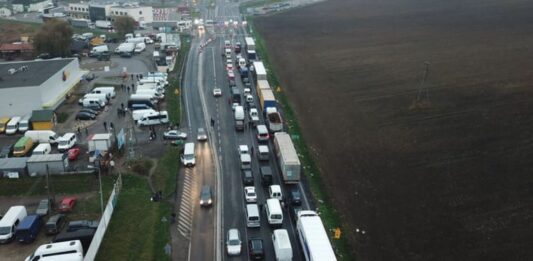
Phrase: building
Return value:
(11, 51)
(14, 167)
(34, 85)
(47, 164)
(5, 11)
(78, 10)
(96, 12)
(43, 119)
(22, 6)
(141, 14)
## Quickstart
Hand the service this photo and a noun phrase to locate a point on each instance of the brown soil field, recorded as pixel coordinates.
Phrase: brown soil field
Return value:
(451, 180)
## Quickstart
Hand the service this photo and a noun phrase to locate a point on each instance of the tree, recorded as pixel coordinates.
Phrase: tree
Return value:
(54, 37)
(124, 25)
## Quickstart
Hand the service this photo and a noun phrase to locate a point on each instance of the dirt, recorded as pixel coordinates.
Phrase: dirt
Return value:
(447, 178)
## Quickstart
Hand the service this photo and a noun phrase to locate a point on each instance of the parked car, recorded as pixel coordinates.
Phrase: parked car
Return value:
(95, 112)
(250, 195)
(202, 135)
(55, 224)
(81, 224)
(73, 153)
(233, 243)
(43, 207)
(7, 151)
(256, 249)
(67, 204)
(206, 197)
(174, 135)
(85, 116)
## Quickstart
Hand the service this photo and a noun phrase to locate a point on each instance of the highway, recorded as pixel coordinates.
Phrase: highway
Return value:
(217, 162)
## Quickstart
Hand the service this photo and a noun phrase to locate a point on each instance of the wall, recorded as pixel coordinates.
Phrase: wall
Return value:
(53, 90)
(19, 101)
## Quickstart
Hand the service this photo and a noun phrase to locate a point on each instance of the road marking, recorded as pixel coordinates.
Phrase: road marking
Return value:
(186, 208)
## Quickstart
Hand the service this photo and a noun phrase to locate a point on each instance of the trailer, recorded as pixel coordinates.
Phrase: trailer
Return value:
(313, 237)
(260, 71)
(288, 160)
(266, 99)
(103, 24)
(250, 43)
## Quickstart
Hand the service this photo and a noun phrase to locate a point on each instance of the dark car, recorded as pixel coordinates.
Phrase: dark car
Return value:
(82, 224)
(55, 224)
(89, 110)
(85, 116)
(256, 249)
(43, 208)
(206, 198)
(247, 177)
(295, 196)
(266, 175)
(7, 151)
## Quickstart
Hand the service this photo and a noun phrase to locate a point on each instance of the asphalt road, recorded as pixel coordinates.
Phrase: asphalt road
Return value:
(205, 71)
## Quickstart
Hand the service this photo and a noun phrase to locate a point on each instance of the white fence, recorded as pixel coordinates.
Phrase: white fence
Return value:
(104, 221)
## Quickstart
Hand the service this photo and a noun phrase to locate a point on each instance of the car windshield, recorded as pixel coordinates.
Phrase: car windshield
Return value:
(234, 242)
(189, 157)
(276, 216)
(5, 230)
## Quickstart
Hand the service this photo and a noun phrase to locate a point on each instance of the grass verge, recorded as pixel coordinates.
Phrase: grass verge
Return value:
(327, 212)
(59, 185)
(173, 89)
(164, 177)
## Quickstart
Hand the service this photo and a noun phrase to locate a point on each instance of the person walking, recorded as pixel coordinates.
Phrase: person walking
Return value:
(128, 89)
(86, 131)
(111, 126)
(105, 126)
(79, 131)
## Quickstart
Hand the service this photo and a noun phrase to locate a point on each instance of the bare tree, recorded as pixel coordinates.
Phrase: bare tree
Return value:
(54, 37)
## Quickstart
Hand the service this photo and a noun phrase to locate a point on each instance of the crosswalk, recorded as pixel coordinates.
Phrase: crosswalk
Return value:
(186, 207)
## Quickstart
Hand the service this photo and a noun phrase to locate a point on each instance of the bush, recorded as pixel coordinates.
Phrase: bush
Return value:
(141, 166)
(62, 117)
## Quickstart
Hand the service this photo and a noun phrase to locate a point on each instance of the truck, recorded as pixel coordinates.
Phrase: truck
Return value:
(100, 142)
(260, 71)
(282, 245)
(98, 50)
(262, 85)
(274, 121)
(239, 118)
(313, 237)
(125, 48)
(288, 160)
(266, 99)
(244, 72)
(103, 24)
(250, 43)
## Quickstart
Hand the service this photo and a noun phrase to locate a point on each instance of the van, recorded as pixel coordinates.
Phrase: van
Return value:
(150, 86)
(23, 146)
(274, 191)
(42, 149)
(228, 51)
(54, 224)
(147, 93)
(188, 158)
(66, 142)
(24, 123)
(138, 114)
(263, 152)
(154, 93)
(98, 50)
(153, 118)
(252, 216)
(70, 250)
(136, 107)
(246, 161)
(28, 229)
(106, 90)
(3, 124)
(266, 175)
(10, 221)
(139, 104)
(93, 103)
(13, 125)
(282, 245)
(139, 47)
(42, 136)
(273, 212)
(104, 97)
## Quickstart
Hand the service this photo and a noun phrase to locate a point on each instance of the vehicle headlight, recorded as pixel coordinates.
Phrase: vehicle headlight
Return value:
(201, 202)
(209, 202)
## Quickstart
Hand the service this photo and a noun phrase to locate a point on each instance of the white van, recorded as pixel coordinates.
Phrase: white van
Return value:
(152, 92)
(146, 97)
(252, 216)
(158, 117)
(106, 90)
(246, 161)
(24, 123)
(282, 245)
(228, 52)
(105, 97)
(139, 47)
(273, 212)
(242, 62)
(138, 114)
(146, 93)
(42, 136)
(13, 125)
(274, 191)
(188, 158)
(68, 250)
(150, 86)
(263, 152)
(9, 222)
(42, 149)
(98, 50)
(66, 142)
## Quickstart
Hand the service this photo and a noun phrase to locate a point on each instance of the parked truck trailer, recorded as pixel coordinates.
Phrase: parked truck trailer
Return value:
(288, 160)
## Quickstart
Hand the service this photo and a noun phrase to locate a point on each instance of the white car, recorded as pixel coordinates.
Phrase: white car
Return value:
(174, 135)
(249, 99)
(243, 149)
(247, 91)
(250, 195)
(233, 243)
(228, 60)
(202, 135)
(254, 115)
(217, 92)
(234, 105)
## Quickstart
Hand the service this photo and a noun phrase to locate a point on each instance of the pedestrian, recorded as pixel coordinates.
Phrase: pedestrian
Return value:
(155, 134)
(79, 130)
(132, 77)
(111, 126)
(133, 87)
(122, 106)
(86, 131)
(212, 122)
(141, 76)
(105, 126)
(128, 89)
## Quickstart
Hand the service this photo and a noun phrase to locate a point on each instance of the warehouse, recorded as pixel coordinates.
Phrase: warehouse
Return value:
(47, 164)
(34, 85)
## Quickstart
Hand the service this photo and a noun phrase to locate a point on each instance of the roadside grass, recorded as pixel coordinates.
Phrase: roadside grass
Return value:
(59, 185)
(327, 212)
(136, 231)
(174, 88)
(164, 176)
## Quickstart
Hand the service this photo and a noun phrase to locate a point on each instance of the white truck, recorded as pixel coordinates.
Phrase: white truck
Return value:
(125, 48)
(260, 71)
(239, 118)
(282, 245)
(98, 50)
(250, 43)
(313, 237)
(101, 142)
(289, 162)
(103, 24)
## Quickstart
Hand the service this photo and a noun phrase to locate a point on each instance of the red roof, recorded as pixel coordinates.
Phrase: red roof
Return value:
(16, 47)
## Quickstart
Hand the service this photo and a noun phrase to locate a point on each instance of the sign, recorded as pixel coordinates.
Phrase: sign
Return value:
(177, 92)
(278, 89)
(295, 137)
(337, 233)
(121, 138)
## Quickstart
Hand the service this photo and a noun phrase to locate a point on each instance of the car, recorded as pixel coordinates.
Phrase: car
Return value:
(247, 91)
(43, 207)
(295, 196)
(7, 151)
(254, 115)
(255, 248)
(217, 92)
(243, 149)
(250, 195)
(234, 105)
(73, 153)
(262, 133)
(174, 135)
(249, 99)
(231, 75)
(233, 243)
(85, 116)
(67, 204)
(82, 224)
(206, 198)
(202, 135)
(95, 112)
(55, 224)
(232, 83)
(229, 66)
(247, 177)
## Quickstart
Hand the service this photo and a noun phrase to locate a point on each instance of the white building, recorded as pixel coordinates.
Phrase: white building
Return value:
(34, 85)
(21, 6)
(138, 13)
(108, 12)
(5, 12)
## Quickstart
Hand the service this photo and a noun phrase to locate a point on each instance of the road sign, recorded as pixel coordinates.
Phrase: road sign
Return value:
(337, 233)
(295, 137)
(177, 92)
(278, 89)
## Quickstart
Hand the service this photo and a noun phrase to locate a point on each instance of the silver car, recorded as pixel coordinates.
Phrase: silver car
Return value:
(202, 135)
(43, 208)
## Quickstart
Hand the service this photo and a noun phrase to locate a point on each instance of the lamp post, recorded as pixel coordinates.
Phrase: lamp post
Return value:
(97, 165)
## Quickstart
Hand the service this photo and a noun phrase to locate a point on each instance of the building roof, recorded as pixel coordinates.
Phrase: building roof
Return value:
(36, 73)
(15, 47)
(46, 158)
(13, 163)
(42, 115)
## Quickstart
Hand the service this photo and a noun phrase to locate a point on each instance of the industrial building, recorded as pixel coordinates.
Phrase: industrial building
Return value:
(34, 85)
(108, 11)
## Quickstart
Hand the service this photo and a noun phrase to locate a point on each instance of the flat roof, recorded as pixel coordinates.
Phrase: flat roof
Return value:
(30, 73)
(46, 158)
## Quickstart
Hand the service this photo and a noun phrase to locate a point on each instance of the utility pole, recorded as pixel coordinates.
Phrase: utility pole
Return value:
(48, 182)
(422, 89)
